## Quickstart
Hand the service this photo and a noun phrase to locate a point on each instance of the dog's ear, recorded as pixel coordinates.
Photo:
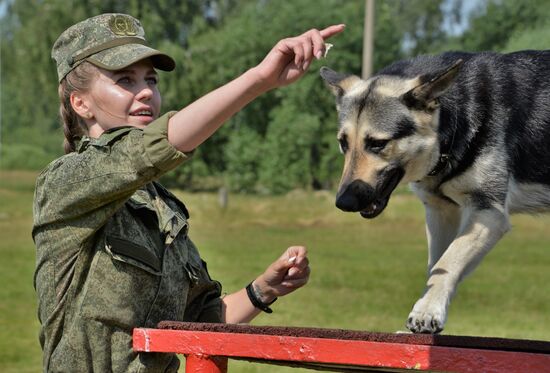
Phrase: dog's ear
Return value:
(337, 82)
(425, 95)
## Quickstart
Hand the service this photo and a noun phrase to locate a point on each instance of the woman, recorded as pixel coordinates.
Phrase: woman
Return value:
(113, 251)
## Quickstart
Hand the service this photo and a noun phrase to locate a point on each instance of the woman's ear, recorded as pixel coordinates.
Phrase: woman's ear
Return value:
(80, 105)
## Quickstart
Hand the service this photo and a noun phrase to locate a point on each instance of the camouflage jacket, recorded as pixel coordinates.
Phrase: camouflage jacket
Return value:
(113, 254)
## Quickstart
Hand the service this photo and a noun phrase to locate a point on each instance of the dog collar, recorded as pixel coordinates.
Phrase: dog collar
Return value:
(445, 149)
(442, 164)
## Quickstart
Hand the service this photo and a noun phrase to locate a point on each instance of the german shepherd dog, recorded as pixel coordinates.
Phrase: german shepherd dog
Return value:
(470, 132)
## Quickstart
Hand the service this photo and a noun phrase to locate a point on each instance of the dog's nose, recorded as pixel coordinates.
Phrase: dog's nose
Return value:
(355, 196)
(347, 202)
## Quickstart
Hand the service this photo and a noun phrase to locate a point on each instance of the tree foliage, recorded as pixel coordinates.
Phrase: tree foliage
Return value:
(497, 22)
(286, 138)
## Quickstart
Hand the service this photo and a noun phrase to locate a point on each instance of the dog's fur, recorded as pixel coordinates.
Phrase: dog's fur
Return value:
(470, 132)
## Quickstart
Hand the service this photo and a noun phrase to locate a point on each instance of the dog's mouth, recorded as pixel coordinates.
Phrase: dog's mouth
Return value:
(375, 208)
(391, 180)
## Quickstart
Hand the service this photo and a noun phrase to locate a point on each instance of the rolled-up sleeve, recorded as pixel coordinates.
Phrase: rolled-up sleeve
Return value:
(103, 174)
(159, 151)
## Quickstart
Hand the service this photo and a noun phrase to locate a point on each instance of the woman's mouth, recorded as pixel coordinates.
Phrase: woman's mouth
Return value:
(143, 116)
(142, 113)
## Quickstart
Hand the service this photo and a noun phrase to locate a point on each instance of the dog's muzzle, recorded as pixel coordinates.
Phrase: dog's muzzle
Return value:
(358, 196)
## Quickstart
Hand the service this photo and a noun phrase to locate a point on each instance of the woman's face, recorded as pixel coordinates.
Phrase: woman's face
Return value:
(124, 97)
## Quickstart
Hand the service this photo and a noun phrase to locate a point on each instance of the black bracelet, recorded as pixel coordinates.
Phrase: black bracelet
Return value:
(257, 302)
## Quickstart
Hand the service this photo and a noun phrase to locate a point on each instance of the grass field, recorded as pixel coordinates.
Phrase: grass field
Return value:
(366, 275)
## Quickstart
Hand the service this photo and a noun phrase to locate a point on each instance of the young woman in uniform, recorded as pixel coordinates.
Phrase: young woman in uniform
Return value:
(113, 250)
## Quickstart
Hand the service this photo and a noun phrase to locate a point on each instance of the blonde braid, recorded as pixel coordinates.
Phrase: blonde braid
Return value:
(74, 127)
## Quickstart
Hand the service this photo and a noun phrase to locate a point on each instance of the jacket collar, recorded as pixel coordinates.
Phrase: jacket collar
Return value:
(106, 138)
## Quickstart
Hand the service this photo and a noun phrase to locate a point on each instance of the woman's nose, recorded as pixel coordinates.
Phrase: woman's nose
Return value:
(145, 93)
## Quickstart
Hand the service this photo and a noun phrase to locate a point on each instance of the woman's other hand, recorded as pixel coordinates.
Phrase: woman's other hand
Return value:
(283, 276)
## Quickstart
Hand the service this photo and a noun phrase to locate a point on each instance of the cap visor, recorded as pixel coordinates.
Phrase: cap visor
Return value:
(117, 58)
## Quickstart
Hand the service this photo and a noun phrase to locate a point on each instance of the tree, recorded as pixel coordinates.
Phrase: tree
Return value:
(287, 160)
(237, 45)
(420, 23)
(210, 51)
(29, 84)
(499, 20)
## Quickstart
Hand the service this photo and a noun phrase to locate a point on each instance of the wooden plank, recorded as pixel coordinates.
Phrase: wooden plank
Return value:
(491, 343)
(339, 353)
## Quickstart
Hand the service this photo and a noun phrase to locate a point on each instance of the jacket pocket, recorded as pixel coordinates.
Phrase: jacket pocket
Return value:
(134, 254)
(122, 284)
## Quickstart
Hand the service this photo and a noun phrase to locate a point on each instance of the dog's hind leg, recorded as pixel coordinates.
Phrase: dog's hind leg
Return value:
(478, 233)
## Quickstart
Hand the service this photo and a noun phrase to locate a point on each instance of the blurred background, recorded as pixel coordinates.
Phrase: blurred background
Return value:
(267, 179)
(291, 130)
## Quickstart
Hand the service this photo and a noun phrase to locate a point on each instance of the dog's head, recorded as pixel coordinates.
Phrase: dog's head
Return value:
(387, 133)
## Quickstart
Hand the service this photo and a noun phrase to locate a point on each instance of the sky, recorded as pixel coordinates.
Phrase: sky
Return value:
(468, 6)
(3, 6)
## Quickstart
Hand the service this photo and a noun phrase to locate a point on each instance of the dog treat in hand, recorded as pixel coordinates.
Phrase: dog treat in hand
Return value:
(327, 48)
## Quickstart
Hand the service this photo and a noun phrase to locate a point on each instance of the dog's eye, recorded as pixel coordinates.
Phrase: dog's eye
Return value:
(375, 146)
(343, 144)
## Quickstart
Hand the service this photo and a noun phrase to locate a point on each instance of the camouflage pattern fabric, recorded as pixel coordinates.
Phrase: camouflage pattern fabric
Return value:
(113, 253)
(111, 41)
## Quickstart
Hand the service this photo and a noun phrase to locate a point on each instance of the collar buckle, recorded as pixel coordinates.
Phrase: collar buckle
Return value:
(442, 164)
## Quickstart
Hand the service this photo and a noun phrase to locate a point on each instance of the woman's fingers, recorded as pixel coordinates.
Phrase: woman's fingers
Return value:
(295, 283)
(332, 30)
(295, 272)
(291, 57)
(301, 262)
(299, 54)
(296, 253)
(308, 52)
(313, 44)
(318, 45)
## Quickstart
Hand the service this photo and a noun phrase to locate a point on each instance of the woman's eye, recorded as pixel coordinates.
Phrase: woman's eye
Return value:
(124, 80)
(152, 81)
(375, 146)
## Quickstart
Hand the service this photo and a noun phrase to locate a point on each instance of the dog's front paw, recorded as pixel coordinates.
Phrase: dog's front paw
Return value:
(426, 317)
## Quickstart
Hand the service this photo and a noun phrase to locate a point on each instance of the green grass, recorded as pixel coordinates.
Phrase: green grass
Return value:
(366, 275)
(19, 348)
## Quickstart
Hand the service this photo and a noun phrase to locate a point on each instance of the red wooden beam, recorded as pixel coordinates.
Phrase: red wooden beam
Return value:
(336, 353)
(198, 363)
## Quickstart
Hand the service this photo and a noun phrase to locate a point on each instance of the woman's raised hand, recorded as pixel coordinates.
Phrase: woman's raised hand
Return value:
(290, 58)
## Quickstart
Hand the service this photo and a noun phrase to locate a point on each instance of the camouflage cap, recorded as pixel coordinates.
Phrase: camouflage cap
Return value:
(111, 41)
